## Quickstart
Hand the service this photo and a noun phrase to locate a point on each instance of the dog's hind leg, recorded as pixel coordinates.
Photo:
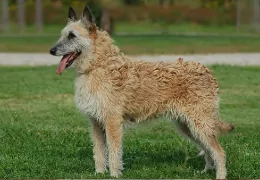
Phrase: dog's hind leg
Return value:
(113, 127)
(205, 134)
(184, 130)
(218, 155)
(99, 149)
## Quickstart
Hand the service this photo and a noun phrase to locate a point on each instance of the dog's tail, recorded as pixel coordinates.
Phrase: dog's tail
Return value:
(225, 127)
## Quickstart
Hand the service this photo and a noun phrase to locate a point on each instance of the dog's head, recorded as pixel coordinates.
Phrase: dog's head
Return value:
(76, 39)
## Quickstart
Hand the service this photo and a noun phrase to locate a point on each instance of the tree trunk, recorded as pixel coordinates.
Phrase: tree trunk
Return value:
(238, 21)
(256, 14)
(203, 3)
(5, 16)
(161, 2)
(20, 14)
(171, 2)
(39, 20)
(107, 22)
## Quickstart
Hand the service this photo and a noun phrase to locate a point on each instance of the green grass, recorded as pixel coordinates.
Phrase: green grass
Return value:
(31, 29)
(145, 27)
(223, 42)
(144, 44)
(42, 134)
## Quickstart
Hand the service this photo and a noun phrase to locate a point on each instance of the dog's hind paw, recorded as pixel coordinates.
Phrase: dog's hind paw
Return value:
(203, 171)
(201, 153)
(207, 168)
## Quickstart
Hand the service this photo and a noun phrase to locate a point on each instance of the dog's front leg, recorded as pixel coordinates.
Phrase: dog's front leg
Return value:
(113, 126)
(99, 149)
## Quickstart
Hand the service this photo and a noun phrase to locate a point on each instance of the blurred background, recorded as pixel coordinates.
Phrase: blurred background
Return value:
(39, 22)
(42, 134)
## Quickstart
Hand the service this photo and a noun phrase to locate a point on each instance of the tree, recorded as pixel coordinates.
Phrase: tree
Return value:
(38, 19)
(218, 3)
(5, 15)
(102, 16)
(162, 2)
(132, 2)
(238, 19)
(20, 14)
(256, 14)
(107, 22)
(171, 2)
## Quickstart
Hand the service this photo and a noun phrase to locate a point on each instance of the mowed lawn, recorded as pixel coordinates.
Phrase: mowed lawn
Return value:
(144, 44)
(42, 135)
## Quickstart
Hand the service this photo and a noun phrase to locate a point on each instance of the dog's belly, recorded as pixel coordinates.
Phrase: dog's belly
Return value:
(141, 117)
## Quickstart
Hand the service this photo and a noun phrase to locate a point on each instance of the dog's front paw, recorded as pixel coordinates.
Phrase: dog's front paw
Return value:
(201, 153)
(116, 173)
(101, 171)
(100, 167)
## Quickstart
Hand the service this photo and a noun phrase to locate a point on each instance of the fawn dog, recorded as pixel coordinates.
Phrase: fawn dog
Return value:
(111, 88)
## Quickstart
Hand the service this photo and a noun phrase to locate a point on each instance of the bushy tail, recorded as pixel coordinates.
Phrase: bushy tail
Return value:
(225, 127)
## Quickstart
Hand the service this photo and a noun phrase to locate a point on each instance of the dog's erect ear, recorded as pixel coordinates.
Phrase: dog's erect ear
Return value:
(87, 16)
(72, 15)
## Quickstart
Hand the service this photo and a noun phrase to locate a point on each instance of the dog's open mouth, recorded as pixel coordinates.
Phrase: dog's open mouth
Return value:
(67, 61)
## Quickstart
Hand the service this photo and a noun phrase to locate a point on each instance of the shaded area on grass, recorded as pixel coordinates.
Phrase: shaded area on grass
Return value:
(42, 135)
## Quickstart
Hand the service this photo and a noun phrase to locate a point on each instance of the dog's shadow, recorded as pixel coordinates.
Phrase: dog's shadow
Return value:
(150, 158)
(135, 159)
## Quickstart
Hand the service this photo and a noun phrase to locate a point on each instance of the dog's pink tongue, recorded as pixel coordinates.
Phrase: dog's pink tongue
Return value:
(62, 64)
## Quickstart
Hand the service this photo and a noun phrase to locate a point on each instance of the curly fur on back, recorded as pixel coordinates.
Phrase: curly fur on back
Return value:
(140, 90)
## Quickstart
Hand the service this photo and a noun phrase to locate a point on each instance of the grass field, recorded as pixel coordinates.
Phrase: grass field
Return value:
(226, 40)
(42, 135)
(144, 44)
(142, 27)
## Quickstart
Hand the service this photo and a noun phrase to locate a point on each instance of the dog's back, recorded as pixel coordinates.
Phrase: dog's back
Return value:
(145, 89)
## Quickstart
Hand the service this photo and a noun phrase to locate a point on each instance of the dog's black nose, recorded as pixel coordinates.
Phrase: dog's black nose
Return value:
(53, 51)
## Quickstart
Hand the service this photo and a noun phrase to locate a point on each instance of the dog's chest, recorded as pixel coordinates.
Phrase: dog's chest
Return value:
(86, 101)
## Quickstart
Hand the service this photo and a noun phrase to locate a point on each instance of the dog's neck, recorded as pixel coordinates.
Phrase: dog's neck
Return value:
(104, 54)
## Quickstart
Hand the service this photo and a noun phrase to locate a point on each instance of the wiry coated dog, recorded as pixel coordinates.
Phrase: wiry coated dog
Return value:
(111, 88)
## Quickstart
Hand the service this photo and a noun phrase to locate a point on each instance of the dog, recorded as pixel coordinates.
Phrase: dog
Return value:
(111, 89)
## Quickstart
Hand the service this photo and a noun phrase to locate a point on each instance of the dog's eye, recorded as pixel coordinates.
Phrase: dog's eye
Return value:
(71, 35)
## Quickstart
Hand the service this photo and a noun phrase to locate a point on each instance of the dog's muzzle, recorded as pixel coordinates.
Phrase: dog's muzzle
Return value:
(53, 51)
